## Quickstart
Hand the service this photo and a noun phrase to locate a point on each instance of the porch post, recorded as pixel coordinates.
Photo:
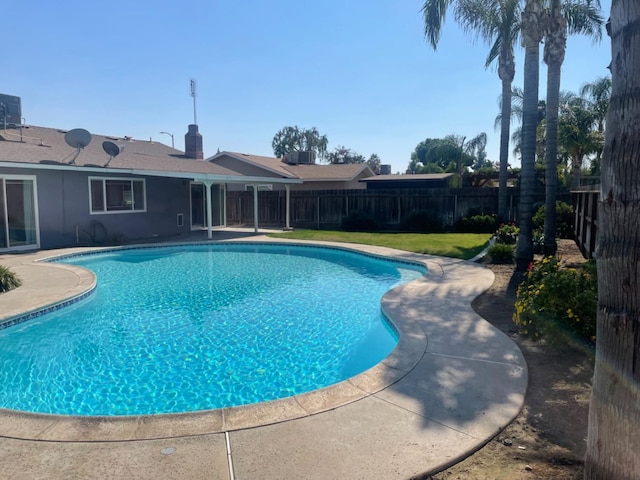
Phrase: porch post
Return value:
(287, 203)
(224, 204)
(207, 184)
(255, 208)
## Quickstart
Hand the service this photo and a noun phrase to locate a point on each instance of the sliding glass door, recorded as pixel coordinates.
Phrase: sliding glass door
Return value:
(18, 213)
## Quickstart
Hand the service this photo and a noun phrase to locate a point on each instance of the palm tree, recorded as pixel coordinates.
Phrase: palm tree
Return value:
(572, 16)
(496, 22)
(466, 151)
(533, 18)
(578, 135)
(517, 96)
(598, 93)
(613, 439)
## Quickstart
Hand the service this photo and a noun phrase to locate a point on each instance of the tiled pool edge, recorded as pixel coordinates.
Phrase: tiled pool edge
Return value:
(29, 315)
(63, 428)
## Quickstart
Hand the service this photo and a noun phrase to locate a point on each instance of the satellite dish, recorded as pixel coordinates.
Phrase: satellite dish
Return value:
(111, 149)
(77, 138)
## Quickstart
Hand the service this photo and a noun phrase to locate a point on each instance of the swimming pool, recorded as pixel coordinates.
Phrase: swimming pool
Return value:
(188, 328)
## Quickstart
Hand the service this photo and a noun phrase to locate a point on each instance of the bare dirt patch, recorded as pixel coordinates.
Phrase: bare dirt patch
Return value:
(548, 438)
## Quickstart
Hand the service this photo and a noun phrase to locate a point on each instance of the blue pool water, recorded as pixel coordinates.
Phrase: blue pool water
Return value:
(176, 329)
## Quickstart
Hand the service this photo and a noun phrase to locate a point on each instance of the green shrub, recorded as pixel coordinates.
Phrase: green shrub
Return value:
(564, 219)
(557, 303)
(358, 222)
(538, 241)
(507, 234)
(423, 221)
(478, 224)
(8, 279)
(501, 253)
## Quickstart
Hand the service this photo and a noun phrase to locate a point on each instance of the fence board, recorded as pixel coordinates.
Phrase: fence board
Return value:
(325, 209)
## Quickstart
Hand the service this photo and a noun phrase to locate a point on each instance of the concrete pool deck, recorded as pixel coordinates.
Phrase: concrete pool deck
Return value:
(452, 384)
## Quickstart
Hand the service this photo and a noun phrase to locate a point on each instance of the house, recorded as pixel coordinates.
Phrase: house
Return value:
(300, 165)
(62, 188)
(422, 180)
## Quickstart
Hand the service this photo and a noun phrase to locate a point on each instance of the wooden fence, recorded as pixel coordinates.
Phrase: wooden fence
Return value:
(325, 209)
(585, 225)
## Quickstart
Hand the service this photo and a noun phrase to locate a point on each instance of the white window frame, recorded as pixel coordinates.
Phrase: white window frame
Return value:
(36, 213)
(104, 181)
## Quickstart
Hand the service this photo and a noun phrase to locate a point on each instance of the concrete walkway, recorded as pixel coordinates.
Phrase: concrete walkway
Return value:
(453, 383)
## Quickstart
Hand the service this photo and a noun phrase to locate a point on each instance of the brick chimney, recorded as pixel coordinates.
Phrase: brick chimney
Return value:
(193, 143)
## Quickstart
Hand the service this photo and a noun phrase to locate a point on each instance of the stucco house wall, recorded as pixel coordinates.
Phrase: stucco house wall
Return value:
(64, 211)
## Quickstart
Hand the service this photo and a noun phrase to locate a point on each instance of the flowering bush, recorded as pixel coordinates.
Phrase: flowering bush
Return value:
(507, 234)
(555, 303)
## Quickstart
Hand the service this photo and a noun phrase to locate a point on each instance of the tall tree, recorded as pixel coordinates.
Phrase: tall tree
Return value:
(497, 22)
(569, 16)
(374, 162)
(452, 153)
(532, 29)
(343, 154)
(613, 440)
(466, 152)
(291, 139)
(578, 135)
(598, 93)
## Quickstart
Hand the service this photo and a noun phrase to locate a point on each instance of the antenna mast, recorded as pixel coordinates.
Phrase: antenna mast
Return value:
(193, 94)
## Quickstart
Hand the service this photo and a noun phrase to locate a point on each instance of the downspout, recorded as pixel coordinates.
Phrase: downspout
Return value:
(207, 184)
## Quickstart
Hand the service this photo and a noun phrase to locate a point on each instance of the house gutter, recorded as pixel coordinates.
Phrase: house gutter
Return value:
(156, 173)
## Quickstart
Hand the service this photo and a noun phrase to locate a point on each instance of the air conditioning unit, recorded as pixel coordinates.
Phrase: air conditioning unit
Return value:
(10, 111)
(307, 157)
(300, 158)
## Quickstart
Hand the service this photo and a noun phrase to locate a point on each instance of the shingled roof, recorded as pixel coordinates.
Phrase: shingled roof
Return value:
(305, 172)
(35, 147)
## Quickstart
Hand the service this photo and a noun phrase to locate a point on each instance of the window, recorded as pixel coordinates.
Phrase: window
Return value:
(261, 187)
(113, 195)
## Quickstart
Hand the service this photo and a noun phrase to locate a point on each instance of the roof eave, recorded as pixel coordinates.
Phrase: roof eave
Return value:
(155, 173)
(248, 161)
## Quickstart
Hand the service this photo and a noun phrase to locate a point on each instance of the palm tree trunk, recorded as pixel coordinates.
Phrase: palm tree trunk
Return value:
(576, 172)
(613, 440)
(506, 71)
(554, 49)
(532, 18)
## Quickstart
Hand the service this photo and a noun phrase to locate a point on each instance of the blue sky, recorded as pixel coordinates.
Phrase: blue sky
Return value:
(361, 72)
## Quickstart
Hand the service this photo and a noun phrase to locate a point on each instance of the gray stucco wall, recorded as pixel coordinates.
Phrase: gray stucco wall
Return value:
(63, 209)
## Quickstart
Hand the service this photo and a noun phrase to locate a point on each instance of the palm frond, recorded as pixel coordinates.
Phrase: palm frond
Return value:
(434, 13)
(583, 17)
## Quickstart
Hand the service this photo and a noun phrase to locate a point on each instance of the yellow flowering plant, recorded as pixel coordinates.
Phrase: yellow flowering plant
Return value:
(557, 303)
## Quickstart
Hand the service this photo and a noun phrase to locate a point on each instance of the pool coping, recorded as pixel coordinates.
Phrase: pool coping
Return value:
(447, 290)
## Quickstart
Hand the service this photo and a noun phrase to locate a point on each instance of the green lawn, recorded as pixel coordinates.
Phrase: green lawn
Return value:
(457, 245)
